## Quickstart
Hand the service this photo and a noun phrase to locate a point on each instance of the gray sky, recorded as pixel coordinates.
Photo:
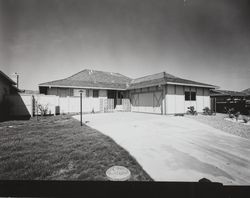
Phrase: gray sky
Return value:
(201, 40)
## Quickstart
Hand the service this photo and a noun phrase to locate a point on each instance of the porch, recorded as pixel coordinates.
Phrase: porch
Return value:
(121, 99)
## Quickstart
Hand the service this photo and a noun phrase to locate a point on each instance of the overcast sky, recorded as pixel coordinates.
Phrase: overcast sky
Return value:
(206, 41)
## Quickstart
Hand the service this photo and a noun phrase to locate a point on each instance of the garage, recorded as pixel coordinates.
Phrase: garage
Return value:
(147, 102)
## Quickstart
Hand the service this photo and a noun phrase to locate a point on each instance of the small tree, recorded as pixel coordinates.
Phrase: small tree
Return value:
(43, 109)
(191, 111)
(207, 111)
(230, 112)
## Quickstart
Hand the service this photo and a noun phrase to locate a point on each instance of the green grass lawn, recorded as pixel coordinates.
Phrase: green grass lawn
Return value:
(58, 148)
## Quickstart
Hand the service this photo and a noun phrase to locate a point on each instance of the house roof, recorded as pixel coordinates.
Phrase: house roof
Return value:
(226, 93)
(26, 91)
(7, 78)
(92, 79)
(246, 91)
(164, 78)
(109, 80)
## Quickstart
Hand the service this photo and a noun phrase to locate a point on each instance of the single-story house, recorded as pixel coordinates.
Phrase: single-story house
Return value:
(159, 93)
(247, 92)
(225, 99)
(7, 87)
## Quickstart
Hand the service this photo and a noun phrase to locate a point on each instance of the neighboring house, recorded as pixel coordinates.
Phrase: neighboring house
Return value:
(228, 99)
(7, 87)
(160, 93)
(247, 92)
(26, 91)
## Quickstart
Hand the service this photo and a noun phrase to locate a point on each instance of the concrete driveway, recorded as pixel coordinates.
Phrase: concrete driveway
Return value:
(171, 148)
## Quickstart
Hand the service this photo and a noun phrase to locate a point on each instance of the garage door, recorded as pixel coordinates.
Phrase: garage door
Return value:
(149, 102)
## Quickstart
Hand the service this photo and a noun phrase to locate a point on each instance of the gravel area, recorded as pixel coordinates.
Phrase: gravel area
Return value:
(217, 121)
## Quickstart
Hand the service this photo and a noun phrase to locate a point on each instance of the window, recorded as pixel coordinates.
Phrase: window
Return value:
(190, 95)
(193, 96)
(187, 95)
(95, 93)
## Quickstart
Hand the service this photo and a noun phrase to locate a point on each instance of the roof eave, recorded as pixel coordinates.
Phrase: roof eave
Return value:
(174, 83)
(193, 85)
(80, 87)
(8, 78)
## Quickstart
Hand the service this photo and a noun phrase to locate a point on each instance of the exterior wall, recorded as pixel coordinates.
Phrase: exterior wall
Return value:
(170, 99)
(25, 104)
(4, 92)
(175, 99)
(76, 92)
(200, 99)
(103, 93)
(206, 98)
(4, 89)
(179, 98)
(190, 103)
(62, 92)
(21, 105)
(90, 93)
(148, 100)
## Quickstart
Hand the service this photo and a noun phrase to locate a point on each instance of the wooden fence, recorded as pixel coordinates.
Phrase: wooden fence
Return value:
(27, 105)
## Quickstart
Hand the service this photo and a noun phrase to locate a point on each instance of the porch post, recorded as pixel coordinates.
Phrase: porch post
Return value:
(164, 100)
(215, 104)
(116, 98)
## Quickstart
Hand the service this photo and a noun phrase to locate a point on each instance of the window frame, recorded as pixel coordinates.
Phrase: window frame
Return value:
(95, 91)
(189, 97)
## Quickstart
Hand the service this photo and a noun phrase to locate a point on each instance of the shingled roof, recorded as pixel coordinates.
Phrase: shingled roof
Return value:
(109, 80)
(92, 79)
(227, 93)
(164, 78)
(7, 78)
(246, 91)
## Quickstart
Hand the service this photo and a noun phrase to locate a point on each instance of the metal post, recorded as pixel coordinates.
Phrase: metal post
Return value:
(81, 107)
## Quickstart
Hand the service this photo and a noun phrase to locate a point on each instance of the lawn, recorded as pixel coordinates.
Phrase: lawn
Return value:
(217, 121)
(58, 148)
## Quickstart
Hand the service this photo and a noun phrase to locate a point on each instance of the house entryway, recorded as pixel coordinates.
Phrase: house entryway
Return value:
(121, 100)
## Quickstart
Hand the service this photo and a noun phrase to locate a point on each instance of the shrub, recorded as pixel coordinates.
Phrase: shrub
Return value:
(230, 112)
(236, 115)
(207, 111)
(191, 111)
(43, 109)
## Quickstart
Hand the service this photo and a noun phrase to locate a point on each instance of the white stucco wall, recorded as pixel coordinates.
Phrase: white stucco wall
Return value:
(76, 92)
(206, 99)
(103, 93)
(200, 99)
(170, 99)
(175, 99)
